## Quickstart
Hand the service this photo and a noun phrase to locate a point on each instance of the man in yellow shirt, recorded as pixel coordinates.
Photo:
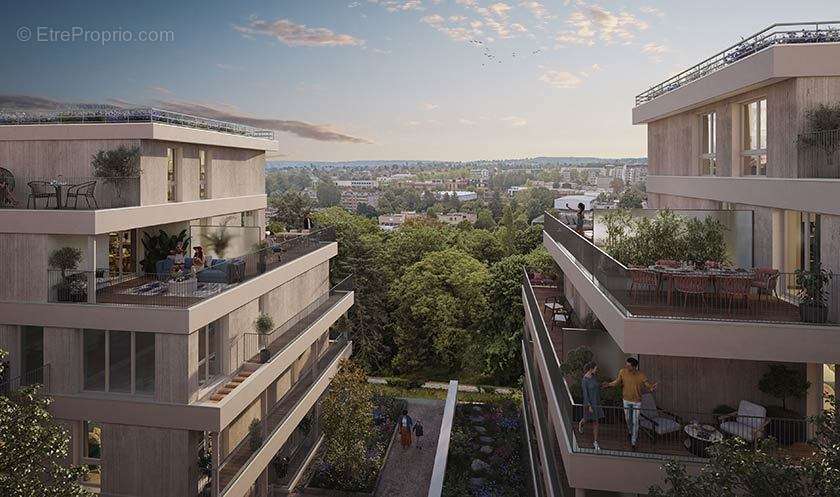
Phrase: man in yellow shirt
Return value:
(632, 380)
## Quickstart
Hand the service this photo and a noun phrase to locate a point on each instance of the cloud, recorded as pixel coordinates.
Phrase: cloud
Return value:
(466, 122)
(228, 67)
(561, 79)
(381, 51)
(457, 33)
(399, 5)
(353, 5)
(537, 9)
(160, 89)
(430, 106)
(647, 9)
(319, 132)
(297, 35)
(500, 9)
(515, 121)
(655, 51)
(591, 22)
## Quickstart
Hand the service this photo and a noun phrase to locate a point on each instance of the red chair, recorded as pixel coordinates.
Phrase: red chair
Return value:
(668, 263)
(640, 277)
(764, 280)
(713, 265)
(734, 287)
(691, 284)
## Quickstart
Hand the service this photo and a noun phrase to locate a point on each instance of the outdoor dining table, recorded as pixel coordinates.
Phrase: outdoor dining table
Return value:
(58, 185)
(668, 273)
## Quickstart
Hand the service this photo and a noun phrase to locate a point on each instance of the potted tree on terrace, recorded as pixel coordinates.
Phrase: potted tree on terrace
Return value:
(71, 288)
(779, 381)
(255, 435)
(264, 324)
(822, 131)
(117, 167)
(813, 307)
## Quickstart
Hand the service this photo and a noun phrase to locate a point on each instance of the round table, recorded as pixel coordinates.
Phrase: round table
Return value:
(700, 437)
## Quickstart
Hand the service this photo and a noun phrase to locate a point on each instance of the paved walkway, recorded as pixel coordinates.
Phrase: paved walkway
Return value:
(407, 472)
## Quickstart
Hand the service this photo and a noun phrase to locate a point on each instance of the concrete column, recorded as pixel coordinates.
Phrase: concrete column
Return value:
(91, 263)
(778, 247)
(813, 399)
(214, 444)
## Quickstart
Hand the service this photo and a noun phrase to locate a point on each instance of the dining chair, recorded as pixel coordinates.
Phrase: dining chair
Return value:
(41, 189)
(670, 263)
(641, 277)
(764, 281)
(691, 284)
(86, 190)
(733, 287)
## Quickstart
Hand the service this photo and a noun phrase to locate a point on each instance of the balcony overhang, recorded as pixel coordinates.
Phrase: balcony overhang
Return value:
(746, 340)
(766, 67)
(161, 319)
(95, 222)
(134, 131)
(799, 194)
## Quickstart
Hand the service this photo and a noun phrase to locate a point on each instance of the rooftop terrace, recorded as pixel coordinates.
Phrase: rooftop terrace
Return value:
(106, 115)
(777, 34)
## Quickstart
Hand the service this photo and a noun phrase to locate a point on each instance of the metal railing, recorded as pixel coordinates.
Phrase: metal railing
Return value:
(39, 376)
(134, 115)
(68, 192)
(178, 288)
(716, 295)
(777, 34)
(277, 340)
(661, 434)
(819, 155)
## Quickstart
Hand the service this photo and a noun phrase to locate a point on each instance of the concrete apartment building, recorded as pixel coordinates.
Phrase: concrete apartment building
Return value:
(155, 367)
(726, 139)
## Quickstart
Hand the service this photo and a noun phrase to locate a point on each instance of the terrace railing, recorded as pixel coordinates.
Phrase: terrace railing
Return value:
(181, 288)
(614, 432)
(777, 34)
(39, 376)
(819, 154)
(68, 192)
(723, 297)
(135, 115)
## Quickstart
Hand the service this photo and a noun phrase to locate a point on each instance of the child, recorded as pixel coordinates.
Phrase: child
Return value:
(418, 434)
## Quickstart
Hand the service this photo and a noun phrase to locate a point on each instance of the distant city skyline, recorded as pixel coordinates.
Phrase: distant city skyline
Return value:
(451, 80)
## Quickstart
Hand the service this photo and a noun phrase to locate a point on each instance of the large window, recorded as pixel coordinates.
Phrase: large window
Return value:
(32, 348)
(119, 361)
(202, 174)
(171, 176)
(208, 352)
(708, 144)
(754, 131)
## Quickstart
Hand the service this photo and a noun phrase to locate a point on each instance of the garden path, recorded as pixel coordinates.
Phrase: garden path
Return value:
(407, 471)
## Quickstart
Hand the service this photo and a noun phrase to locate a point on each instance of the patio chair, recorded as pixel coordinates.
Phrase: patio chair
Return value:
(640, 277)
(750, 421)
(554, 303)
(41, 189)
(734, 287)
(691, 284)
(84, 190)
(764, 281)
(668, 263)
(657, 422)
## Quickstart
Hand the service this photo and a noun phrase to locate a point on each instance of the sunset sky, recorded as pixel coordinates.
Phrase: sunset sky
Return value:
(385, 79)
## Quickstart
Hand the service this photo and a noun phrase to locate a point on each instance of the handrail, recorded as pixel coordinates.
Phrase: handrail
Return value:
(38, 376)
(442, 453)
(755, 43)
(141, 114)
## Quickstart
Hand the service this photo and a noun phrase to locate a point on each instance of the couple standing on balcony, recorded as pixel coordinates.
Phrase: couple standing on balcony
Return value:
(631, 381)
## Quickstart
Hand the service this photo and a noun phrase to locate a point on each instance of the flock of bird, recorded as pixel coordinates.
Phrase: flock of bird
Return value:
(490, 55)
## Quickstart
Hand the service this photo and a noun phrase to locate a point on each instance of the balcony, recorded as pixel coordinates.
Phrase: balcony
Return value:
(553, 393)
(777, 34)
(818, 154)
(183, 289)
(240, 467)
(701, 321)
(67, 193)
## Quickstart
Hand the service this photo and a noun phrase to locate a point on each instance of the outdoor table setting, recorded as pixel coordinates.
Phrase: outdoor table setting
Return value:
(700, 437)
(712, 274)
(58, 184)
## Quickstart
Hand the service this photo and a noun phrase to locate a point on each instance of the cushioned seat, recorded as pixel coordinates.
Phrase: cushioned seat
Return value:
(749, 423)
(655, 420)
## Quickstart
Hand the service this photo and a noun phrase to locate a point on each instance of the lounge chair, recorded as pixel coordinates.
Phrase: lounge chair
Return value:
(749, 423)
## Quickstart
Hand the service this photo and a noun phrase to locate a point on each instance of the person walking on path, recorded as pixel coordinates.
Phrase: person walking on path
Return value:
(418, 434)
(632, 380)
(592, 410)
(406, 424)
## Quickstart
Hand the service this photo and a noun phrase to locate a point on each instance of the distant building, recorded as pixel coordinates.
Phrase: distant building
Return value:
(457, 217)
(573, 200)
(604, 182)
(350, 199)
(516, 189)
(463, 196)
(394, 220)
(358, 183)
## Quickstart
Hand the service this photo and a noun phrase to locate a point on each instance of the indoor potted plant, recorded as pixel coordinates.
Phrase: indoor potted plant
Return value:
(782, 382)
(67, 259)
(813, 307)
(264, 324)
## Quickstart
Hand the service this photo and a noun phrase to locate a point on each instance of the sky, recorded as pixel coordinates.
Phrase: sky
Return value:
(382, 79)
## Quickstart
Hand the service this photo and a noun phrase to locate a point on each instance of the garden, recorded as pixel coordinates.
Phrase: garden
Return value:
(486, 452)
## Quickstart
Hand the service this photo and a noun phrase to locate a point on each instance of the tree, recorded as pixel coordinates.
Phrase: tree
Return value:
(117, 166)
(361, 247)
(484, 220)
(328, 194)
(412, 241)
(616, 185)
(737, 468)
(293, 209)
(481, 245)
(33, 447)
(496, 206)
(367, 210)
(439, 303)
(781, 382)
(278, 182)
(502, 332)
(347, 421)
(632, 198)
